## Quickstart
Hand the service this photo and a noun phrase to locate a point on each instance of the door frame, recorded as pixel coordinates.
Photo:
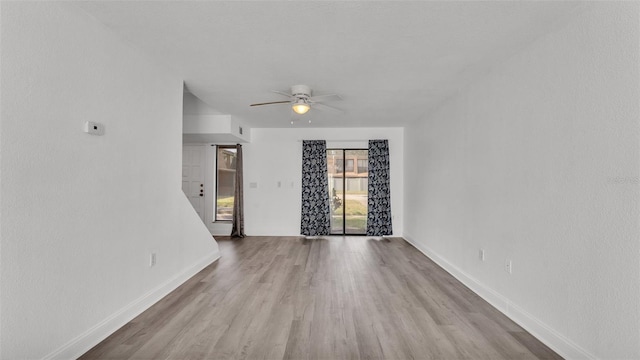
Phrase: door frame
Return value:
(216, 228)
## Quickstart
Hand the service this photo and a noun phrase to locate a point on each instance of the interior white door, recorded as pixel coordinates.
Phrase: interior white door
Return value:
(193, 165)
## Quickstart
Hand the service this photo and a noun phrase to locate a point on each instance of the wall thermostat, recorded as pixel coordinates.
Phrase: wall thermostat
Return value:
(93, 128)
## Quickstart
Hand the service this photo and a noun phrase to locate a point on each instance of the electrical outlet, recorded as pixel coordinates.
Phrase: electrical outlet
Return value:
(481, 254)
(508, 266)
(152, 259)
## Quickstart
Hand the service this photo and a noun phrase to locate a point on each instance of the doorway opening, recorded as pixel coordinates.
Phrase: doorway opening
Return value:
(348, 190)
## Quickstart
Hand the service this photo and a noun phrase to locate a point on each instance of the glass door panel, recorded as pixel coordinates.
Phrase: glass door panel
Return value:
(348, 180)
(335, 171)
(355, 190)
(225, 182)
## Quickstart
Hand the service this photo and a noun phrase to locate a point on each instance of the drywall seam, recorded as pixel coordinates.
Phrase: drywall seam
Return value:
(90, 338)
(547, 335)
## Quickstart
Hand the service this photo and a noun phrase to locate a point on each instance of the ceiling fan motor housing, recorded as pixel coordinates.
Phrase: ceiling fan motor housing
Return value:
(300, 91)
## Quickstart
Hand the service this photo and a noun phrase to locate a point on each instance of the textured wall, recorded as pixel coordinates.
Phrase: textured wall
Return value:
(538, 162)
(81, 213)
(276, 155)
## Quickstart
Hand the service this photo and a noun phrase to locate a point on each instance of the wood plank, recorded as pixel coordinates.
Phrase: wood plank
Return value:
(326, 298)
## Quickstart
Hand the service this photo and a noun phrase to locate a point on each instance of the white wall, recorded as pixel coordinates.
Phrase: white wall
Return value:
(275, 155)
(538, 162)
(204, 129)
(203, 124)
(192, 105)
(81, 213)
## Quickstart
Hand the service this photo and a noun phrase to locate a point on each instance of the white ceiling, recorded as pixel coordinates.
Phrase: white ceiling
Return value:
(392, 62)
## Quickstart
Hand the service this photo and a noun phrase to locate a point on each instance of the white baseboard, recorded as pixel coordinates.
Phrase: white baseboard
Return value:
(93, 336)
(547, 335)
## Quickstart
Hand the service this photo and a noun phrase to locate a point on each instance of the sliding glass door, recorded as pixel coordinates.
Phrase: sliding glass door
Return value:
(348, 185)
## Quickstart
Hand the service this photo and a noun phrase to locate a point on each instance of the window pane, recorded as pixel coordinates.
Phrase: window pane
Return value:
(225, 182)
(348, 165)
(363, 165)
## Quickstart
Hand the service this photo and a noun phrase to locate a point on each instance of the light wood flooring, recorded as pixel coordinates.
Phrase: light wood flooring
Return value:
(333, 298)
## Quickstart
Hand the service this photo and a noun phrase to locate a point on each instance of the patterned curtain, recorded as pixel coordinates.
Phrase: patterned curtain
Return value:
(379, 209)
(315, 219)
(237, 229)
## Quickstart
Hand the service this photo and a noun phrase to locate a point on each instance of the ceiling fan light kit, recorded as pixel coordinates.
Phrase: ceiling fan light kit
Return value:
(300, 107)
(301, 100)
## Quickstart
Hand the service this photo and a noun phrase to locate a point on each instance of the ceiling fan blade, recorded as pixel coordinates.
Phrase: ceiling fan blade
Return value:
(273, 102)
(328, 97)
(281, 93)
(320, 106)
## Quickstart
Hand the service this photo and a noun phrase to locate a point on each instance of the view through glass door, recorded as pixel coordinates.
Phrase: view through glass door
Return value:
(348, 189)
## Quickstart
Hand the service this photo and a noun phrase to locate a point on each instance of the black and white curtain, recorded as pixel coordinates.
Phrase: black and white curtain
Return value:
(379, 204)
(315, 219)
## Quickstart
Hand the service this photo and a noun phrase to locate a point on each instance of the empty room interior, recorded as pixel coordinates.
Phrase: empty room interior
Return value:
(319, 180)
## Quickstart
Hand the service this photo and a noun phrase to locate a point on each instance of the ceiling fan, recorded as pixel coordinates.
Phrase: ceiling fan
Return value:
(301, 100)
